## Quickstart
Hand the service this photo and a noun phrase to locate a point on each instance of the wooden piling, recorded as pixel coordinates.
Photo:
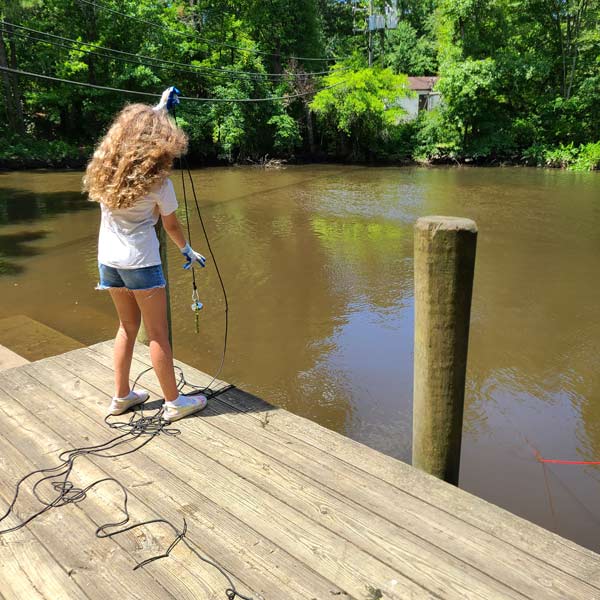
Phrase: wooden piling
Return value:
(444, 265)
(162, 238)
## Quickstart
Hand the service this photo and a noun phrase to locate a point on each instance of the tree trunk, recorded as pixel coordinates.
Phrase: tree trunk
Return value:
(14, 79)
(277, 63)
(14, 111)
(310, 131)
(563, 56)
(6, 87)
(574, 43)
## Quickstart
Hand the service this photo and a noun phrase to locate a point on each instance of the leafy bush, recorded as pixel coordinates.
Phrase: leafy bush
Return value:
(535, 155)
(578, 158)
(436, 137)
(561, 156)
(588, 158)
(400, 143)
(287, 133)
(20, 151)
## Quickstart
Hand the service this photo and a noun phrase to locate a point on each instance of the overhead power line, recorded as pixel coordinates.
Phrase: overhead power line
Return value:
(72, 47)
(155, 95)
(194, 35)
(149, 62)
(143, 59)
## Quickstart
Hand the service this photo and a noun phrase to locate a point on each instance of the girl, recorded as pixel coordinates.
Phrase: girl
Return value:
(129, 176)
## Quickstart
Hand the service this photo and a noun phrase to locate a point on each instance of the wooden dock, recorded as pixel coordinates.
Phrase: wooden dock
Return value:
(292, 510)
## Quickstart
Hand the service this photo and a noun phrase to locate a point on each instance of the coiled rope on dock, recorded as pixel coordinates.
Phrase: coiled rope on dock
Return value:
(141, 429)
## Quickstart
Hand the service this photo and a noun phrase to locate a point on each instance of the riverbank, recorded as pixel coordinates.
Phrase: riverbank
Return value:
(26, 153)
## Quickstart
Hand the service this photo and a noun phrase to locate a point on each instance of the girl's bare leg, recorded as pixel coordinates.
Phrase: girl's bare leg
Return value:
(153, 306)
(129, 324)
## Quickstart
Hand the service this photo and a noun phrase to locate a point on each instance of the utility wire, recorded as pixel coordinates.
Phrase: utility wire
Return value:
(184, 66)
(154, 95)
(194, 35)
(32, 37)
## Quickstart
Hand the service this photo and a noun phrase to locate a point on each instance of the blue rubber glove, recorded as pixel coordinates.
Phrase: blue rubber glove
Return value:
(192, 257)
(169, 99)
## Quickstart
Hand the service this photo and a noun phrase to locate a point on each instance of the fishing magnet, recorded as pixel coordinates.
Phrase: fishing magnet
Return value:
(196, 304)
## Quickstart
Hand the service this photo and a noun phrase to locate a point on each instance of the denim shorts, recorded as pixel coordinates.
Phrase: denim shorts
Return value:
(144, 278)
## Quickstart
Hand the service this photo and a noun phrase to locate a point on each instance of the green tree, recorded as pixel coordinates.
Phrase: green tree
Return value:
(361, 108)
(410, 53)
(518, 73)
(11, 11)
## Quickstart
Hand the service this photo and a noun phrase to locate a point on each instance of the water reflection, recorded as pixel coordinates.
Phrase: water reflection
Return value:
(15, 245)
(318, 267)
(23, 206)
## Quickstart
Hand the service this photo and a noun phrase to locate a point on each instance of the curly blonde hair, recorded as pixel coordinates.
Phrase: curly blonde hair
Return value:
(135, 155)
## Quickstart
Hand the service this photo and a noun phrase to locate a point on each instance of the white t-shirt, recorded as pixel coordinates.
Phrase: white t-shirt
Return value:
(127, 239)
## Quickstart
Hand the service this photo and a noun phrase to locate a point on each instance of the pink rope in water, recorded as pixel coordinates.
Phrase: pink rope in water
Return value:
(556, 461)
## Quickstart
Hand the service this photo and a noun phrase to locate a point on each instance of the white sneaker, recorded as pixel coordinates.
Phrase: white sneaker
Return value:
(119, 405)
(183, 406)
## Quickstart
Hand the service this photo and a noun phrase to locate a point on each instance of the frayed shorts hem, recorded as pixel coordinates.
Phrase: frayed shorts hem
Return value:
(103, 288)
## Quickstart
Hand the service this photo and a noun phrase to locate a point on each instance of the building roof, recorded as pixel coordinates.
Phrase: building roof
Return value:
(423, 83)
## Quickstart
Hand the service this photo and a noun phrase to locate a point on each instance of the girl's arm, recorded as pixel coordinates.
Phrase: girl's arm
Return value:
(173, 228)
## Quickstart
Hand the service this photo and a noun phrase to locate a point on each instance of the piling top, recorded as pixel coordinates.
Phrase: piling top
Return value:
(446, 223)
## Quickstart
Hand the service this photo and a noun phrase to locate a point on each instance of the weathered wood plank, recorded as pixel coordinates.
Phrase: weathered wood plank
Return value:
(279, 470)
(315, 545)
(228, 541)
(10, 359)
(28, 570)
(103, 568)
(444, 528)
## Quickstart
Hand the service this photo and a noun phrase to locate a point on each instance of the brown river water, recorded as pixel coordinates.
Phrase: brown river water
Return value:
(318, 265)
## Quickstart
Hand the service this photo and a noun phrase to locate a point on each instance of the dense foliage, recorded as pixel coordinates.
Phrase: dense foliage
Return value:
(520, 79)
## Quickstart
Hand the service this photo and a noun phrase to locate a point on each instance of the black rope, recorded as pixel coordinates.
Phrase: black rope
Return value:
(214, 259)
(187, 215)
(184, 164)
(142, 59)
(138, 427)
(154, 95)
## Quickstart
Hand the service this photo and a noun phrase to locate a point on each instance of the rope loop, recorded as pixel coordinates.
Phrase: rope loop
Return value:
(139, 430)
